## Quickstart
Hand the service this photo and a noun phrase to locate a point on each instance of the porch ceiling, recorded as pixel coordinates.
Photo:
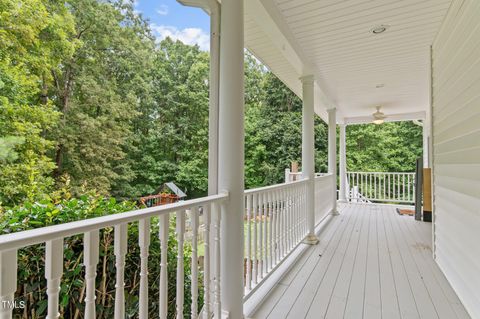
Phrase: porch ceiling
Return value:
(333, 40)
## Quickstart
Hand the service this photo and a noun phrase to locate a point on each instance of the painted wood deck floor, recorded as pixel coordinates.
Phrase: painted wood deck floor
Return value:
(370, 263)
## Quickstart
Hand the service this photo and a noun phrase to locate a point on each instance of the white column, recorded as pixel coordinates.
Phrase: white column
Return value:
(343, 165)
(213, 100)
(308, 155)
(332, 154)
(231, 156)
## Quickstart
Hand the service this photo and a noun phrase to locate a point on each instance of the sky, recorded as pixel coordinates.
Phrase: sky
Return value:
(170, 18)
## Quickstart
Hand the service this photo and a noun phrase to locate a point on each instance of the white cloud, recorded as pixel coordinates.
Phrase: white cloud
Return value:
(163, 10)
(188, 35)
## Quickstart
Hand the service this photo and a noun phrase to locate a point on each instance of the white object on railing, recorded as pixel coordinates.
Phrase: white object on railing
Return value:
(383, 187)
(292, 176)
(53, 237)
(275, 224)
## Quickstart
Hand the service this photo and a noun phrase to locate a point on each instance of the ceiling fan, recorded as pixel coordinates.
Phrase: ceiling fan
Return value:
(378, 117)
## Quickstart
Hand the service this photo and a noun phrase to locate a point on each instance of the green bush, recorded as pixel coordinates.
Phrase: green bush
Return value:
(31, 281)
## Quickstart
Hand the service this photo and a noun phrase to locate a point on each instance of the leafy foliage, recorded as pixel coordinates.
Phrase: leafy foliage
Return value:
(172, 132)
(33, 36)
(56, 211)
(390, 147)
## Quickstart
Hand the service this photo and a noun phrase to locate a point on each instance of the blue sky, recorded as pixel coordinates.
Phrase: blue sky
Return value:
(169, 18)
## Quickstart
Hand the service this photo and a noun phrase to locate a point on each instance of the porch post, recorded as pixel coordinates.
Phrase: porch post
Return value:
(213, 98)
(332, 154)
(343, 165)
(231, 156)
(308, 155)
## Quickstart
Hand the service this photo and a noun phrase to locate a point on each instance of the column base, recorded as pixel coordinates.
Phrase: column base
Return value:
(334, 212)
(311, 240)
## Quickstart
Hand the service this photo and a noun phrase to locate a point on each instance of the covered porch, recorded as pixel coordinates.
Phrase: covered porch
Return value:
(371, 262)
(293, 250)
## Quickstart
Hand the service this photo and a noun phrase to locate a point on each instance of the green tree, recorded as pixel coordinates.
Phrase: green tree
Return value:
(34, 40)
(99, 92)
(172, 132)
(390, 147)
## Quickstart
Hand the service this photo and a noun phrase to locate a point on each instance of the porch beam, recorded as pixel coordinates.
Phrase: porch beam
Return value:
(231, 155)
(332, 154)
(308, 154)
(343, 165)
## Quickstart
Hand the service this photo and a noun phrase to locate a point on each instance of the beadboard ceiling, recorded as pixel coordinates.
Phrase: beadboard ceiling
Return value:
(355, 69)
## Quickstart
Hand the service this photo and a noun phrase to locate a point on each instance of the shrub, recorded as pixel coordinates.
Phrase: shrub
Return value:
(31, 281)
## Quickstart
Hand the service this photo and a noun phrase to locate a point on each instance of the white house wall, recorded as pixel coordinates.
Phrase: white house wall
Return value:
(456, 148)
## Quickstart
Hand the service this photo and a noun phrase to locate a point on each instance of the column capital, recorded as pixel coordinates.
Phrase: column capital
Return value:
(307, 79)
(332, 110)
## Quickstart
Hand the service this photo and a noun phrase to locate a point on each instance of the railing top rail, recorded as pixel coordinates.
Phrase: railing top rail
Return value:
(380, 172)
(325, 175)
(43, 234)
(275, 187)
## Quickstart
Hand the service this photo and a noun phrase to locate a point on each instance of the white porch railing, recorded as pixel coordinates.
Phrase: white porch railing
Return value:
(275, 223)
(323, 195)
(381, 187)
(53, 239)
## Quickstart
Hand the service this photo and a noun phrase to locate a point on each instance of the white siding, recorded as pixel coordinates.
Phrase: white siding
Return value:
(456, 147)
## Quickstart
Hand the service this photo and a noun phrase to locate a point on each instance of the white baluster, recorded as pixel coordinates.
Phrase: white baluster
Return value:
(206, 262)
(297, 214)
(8, 282)
(409, 197)
(255, 242)
(281, 223)
(260, 236)
(403, 187)
(278, 219)
(271, 213)
(248, 268)
(389, 196)
(120, 250)
(399, 182)
(53, 274)
(144, 244)
(292, 217)
(265, 235)
(194, 264)
(218, 303)
(90, 242)
(384, 186)
(180, 264)
(164, 221)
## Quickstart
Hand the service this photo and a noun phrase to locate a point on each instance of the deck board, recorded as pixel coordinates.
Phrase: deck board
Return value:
(370, 263)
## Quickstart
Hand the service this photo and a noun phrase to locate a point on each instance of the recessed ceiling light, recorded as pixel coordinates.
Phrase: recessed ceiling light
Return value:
(379, 29)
